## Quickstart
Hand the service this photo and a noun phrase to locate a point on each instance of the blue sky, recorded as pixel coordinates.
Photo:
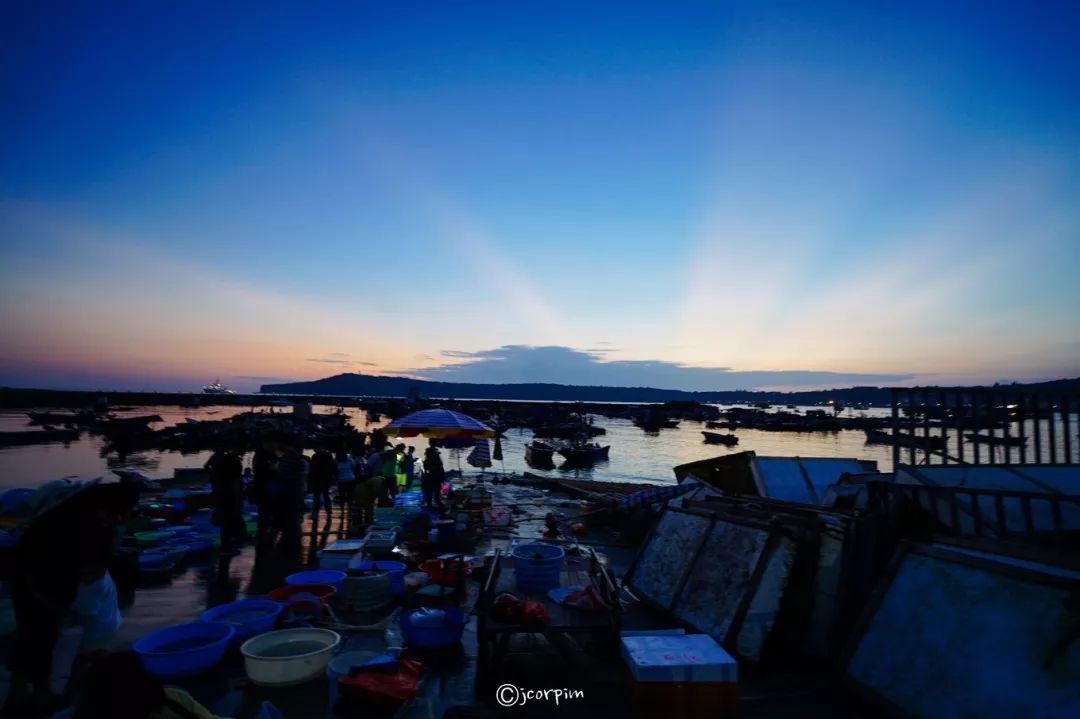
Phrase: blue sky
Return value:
(719, 192)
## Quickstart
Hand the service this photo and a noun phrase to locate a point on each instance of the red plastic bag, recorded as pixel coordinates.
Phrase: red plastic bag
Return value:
(380, 689)
(534, 613)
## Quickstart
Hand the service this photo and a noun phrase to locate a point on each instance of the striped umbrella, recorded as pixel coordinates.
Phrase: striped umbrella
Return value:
(480, 456)
(438, 424)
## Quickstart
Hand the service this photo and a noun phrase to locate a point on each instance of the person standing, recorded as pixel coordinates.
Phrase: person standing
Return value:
(388, 471)
(434, 474)
(409, 465)
(346, 480)
(228, 486)
(290, 508)
(63, 550)
(265, 488)
(320, 476)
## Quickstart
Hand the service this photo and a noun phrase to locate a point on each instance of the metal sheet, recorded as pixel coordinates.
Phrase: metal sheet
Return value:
(955, 635)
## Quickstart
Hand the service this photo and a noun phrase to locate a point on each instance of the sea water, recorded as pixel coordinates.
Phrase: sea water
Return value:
(635, 456)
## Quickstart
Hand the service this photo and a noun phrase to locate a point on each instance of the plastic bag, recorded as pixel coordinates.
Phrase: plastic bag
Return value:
(382, 690)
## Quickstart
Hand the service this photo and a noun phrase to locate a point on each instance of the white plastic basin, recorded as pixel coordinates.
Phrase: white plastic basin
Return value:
(288, 656)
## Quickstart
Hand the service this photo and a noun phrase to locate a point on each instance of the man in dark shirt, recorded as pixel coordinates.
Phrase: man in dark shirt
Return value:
(264, 488)
(291, 503)
(321, 475)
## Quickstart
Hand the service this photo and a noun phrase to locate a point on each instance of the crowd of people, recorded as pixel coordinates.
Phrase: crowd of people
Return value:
(369, 475)
(64, 555)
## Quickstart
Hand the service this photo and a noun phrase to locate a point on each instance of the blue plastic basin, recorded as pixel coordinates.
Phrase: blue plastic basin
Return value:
(418, 633)
(184, 650)
(317, 576)
(248, 616)
(537, 566)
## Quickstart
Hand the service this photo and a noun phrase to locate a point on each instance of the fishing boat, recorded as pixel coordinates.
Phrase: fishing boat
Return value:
(539, 453)
(998, 441)
(876, 436)
(585, 454)
(717, 438)
(55, 418)
(217, 388)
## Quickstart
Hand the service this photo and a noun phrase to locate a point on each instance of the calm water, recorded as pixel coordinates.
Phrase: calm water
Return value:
(635, 456)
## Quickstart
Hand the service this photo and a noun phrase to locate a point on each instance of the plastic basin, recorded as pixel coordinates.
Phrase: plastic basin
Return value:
(184, 650)
(396, 570)
(324, 592)
(332, 577)
(537, 566)
(289, 656)
(433, 629)
(248, 616)
(444, 571)
(151, 539)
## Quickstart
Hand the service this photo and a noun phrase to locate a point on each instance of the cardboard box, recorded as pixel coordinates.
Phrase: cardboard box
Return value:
(680, 675)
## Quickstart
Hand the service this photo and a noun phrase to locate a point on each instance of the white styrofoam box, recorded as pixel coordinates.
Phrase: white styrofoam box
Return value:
(678, 658)
(651, 632)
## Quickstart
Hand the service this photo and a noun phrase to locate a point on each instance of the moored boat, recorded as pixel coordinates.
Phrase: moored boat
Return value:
(876, 436)
(717, 438)
(585, 454)
(539, 453)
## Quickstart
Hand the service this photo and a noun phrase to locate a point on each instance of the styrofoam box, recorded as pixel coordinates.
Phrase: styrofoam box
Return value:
(675, 658)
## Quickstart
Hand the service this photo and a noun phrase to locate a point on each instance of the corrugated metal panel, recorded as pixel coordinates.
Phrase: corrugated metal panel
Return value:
(782, 478)
(801, 479)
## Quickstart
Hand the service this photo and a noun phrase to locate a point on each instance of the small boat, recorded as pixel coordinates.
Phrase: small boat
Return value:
(716, 438)
(585, 454)
(999, 441)
(217, 388)
(54, 418)
(539, 453)
(876, 436)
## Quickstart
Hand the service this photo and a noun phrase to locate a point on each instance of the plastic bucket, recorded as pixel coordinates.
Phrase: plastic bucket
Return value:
(396, 570)
(366, 593)
(537, 566)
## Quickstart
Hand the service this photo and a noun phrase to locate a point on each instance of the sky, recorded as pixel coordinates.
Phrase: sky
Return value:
(709, 195)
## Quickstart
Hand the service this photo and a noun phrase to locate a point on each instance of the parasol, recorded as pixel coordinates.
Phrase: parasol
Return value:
(438, 424)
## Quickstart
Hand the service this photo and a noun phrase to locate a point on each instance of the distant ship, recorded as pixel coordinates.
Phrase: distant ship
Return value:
(217, 388)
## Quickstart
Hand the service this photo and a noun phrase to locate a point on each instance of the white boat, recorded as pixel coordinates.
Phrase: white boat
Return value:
(217, 388)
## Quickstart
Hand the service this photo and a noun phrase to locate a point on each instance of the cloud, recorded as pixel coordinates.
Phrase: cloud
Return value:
(566, 365)
(329, 360)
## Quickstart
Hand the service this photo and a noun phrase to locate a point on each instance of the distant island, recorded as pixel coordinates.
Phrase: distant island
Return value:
(361, 385)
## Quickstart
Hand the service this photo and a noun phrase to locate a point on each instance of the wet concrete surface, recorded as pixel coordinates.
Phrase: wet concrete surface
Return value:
(449, 685)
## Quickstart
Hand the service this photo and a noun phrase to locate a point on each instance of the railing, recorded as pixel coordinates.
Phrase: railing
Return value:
(984, 425)
(987, 513)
